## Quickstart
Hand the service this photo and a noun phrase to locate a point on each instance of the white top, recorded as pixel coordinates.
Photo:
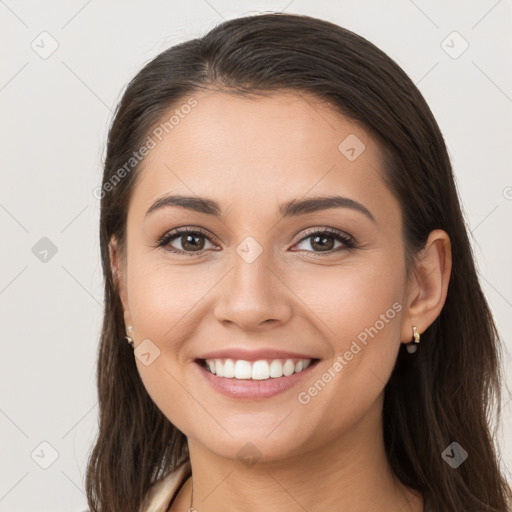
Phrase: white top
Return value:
(163, 491)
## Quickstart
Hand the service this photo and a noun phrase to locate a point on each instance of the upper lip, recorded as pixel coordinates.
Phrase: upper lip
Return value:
(253, 355)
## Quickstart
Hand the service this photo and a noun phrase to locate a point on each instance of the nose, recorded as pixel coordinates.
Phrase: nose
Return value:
(253, 296)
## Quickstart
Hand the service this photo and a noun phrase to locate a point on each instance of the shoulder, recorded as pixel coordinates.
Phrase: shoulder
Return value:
(164, 490)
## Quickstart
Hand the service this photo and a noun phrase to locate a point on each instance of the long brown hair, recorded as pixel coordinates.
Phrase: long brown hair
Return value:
(446, 392)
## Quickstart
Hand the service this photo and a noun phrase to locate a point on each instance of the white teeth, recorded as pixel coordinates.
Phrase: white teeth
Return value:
(257, 370)
(229, 368)
(260, 370)
(276, 368)
(219, 368)
(288, 367)
(243, 369)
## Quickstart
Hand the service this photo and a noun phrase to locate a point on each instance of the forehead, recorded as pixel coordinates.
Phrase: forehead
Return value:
(254, 152)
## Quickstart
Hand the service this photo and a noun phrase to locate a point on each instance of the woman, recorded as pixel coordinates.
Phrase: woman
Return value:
(284, 251)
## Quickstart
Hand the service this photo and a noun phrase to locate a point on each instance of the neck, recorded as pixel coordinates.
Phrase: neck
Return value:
(349, 473)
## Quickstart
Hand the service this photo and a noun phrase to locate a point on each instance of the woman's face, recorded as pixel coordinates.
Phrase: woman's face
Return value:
(262, 280)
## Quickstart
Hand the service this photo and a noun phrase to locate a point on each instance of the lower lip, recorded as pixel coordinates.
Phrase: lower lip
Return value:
(254, 389)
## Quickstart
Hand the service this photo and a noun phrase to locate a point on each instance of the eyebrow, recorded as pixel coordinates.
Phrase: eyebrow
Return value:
(291, 208)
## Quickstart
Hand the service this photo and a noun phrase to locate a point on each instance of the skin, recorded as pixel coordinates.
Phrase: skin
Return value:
(250, 155)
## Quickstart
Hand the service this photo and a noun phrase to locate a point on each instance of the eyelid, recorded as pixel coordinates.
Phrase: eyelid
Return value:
(179, 231)
(320, 229)
(344, 238)
(189, 229)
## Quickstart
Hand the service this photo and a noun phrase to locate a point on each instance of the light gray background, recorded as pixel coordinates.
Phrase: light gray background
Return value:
(55, 114)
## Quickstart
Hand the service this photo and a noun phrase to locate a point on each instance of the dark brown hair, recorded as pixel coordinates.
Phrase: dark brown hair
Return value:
(447, 391)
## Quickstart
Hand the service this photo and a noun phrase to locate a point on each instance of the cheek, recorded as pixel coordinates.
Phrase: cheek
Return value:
(357, 309)
(354, 301)
(161, 301)
(161, 296)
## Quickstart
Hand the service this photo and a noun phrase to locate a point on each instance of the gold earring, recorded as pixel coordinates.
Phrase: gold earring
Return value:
(129, 339)
(412, 346)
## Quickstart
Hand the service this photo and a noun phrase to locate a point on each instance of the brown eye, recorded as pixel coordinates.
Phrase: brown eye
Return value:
(185, 241)
(325, 242)
(190, 242)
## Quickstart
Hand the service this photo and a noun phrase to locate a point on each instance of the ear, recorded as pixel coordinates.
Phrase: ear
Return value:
(428, 285)
(118, 268)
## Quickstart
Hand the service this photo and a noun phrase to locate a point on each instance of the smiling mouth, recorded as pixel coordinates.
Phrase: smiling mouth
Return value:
(263, 369)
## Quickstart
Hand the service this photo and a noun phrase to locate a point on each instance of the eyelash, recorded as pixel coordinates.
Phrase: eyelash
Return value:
(348, 241)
